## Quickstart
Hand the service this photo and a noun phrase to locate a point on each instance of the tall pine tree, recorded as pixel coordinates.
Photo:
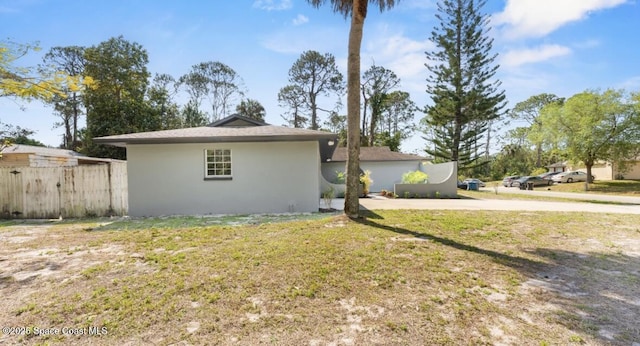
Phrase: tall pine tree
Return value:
(465, 95)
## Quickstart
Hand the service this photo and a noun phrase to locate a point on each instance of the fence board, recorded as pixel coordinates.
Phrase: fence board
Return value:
(81, 191)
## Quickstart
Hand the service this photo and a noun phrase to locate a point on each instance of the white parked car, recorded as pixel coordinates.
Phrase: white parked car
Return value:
(570, 177)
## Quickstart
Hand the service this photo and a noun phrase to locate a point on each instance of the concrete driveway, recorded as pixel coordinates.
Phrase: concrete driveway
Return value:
(378, 202)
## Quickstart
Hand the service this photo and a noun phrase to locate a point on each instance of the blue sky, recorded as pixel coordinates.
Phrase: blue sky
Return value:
(560, 46)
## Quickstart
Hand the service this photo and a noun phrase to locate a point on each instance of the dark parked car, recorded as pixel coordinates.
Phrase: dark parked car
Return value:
(508, 181)
(462, 185)
(524, 182)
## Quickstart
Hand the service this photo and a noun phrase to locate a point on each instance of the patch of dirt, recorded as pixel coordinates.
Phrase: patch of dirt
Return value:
(33, 257)
(590, 285)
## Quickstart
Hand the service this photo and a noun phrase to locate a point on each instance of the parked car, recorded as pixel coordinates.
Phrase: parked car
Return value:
(462, 185)
(548, 175)
(573, 176)
(524, 182)
(508, 181)
(473, 180)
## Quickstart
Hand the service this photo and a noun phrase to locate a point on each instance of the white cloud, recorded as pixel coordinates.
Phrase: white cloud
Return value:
(300, 19)
(516, 58)
(273, 5)
(537, 18)
(402, 55)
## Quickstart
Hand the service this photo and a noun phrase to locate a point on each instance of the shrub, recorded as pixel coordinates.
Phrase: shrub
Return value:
(328, 196)
(539, 171)
(366, 181)
(416, 177)
(340, 177)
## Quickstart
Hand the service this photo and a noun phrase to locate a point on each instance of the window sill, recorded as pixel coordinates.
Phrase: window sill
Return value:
(217, 178)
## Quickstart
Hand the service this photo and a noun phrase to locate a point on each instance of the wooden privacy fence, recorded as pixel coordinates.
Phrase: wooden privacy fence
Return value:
(68, 192)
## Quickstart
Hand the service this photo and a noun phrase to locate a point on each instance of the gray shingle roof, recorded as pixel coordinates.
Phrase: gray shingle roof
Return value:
(206, 134)
(375, 154)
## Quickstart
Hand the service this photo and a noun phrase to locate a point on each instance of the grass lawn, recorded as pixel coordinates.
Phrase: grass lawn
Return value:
(616, 187)
(397, 278)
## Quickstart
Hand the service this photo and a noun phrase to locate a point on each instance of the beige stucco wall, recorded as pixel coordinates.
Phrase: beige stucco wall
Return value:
(601, 171)
(607, 171)
(632, 170)
(272, 177)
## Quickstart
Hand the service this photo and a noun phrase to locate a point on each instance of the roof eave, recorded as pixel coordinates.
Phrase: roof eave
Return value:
(394, 160)
(123, 142)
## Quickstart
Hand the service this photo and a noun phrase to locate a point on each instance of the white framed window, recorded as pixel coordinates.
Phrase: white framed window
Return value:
(217, 164)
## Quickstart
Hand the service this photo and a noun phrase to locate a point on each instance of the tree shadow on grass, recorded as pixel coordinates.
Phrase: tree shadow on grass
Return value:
(520, 263)
(596, 293)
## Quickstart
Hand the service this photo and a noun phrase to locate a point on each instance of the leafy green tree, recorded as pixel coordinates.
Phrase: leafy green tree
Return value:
(529, 112)
(594, 126)
(337, 124)
(292, 97)
(10, 135)
(217, 82)
(192, 116)
(465, 95)
(515, 157)
(396, 122)
(357, 9)
(70, 106)
(196, 86)
(116, 103)
(512, 159)
(251, 108)
(377, 82)
(315, 74)
(161, 105)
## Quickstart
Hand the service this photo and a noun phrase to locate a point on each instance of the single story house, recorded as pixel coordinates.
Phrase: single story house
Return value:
(604, 170)
(557, 167)
(386, 166)
(629, 169)
(21, 155)
(233, 166)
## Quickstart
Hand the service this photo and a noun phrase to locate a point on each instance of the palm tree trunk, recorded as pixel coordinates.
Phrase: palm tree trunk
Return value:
(351, 203)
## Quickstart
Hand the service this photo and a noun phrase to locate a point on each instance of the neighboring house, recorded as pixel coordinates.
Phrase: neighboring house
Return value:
(615, 171)
(236, 165)
(20, 155)
(558, 167)
(386, 166)
(604, 170)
